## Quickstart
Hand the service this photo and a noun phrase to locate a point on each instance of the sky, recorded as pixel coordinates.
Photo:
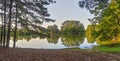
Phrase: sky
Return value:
(64, 10)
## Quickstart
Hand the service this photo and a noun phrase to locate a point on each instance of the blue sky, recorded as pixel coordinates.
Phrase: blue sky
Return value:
(64, 10)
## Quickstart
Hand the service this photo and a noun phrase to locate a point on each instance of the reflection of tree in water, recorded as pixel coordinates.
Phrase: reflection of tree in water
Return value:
(53, 39)
(90, 32)
(90, 39)
(27, 37)
(72, 40)
(0, 42)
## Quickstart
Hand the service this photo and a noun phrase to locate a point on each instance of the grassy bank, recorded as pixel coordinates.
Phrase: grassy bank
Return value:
(115, 49)
(107, 49)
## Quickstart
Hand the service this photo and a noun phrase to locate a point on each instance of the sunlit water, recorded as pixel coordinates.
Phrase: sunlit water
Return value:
(44, 44)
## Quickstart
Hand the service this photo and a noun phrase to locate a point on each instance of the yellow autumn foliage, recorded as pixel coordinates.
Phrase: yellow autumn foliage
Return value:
(116, 40)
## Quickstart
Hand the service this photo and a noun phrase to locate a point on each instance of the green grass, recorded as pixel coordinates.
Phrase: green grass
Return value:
(78, 49)
(73, 48)
(115, 49)
(108, 49)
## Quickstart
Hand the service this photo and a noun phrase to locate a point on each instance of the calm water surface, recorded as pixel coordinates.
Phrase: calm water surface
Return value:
(54, 43)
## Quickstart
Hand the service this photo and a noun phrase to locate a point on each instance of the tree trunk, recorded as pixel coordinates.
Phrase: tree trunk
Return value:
(15, 33)
(4, 37)
(9, 23)
(1, 35)
(1, 38)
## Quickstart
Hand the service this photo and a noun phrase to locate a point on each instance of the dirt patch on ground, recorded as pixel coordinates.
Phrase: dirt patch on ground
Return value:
(18, 54)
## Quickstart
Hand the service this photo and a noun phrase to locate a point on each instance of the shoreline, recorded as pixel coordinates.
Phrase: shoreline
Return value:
(28, 54)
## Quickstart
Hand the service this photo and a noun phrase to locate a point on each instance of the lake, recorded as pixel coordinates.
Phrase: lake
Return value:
(53, 43)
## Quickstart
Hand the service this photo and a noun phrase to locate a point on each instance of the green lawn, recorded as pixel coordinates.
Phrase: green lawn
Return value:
(115, 49)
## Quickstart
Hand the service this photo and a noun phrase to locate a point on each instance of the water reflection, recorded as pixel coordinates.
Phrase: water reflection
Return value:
(53, 39)
(26, 37)
(90, 38)
(87, 45)
(55, 42)
(38, 43)
(70, 40)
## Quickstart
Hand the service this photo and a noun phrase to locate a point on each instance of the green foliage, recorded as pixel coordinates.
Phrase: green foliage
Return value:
(90, 33)
(96, 7)
(72, 40)
(107, 49)
(72, 27)
(26, 37)
(53, 34)
(34, 13)
(24, 31)
(106, 12)
(53, 39)
(31, 14)
(53, 30)
(108, 29)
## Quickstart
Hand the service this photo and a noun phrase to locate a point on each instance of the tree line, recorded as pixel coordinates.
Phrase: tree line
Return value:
(68, 27)
(30, 14)
(27, 14)
(105, 26)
